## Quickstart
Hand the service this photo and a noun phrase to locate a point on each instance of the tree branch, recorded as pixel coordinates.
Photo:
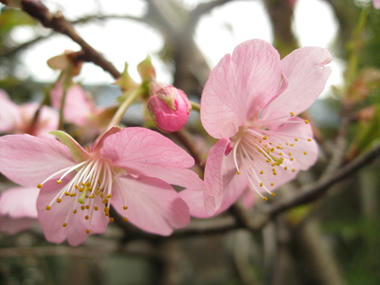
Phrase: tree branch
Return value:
(315, 191)
(58, 23)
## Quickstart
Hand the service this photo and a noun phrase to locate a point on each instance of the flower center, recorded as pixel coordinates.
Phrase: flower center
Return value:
(266, 156)
(90, 189)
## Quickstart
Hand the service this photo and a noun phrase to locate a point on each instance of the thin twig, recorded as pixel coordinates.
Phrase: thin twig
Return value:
(315, 191)
(58, 23)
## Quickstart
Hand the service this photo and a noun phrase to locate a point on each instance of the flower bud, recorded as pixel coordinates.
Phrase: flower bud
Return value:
(170, 107)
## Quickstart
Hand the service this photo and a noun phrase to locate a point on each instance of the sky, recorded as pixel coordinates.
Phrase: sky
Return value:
(127, 41)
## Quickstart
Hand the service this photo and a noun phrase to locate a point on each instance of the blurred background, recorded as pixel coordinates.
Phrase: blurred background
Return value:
(335, 240)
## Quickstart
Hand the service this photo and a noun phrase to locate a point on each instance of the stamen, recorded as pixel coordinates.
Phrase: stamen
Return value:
(234, 156)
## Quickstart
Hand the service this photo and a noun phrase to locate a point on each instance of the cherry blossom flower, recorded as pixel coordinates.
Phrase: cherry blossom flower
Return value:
(170, 107)
(250, 103)
(130, 169)
(79, 107)
(18, 119)
(18, 209)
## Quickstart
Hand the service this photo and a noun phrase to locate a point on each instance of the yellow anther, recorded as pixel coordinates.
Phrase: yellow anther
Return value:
(294, 170)
(76, 186)
(268, 160)
(304, 153)
(92, 196)
(261, 184)
(88, 184)
(105, 201)
(238, 172)
(290, 154)
(39, 186)
(73, 194)
(291, 159)
(265, 137)
(59, 181)
(48, 208)
(112, 220)
(125, 207)
(96, 208)
(106, 209)
(292, 114)
(101, 195)
(67, 194)
(87, 207)
(82, 207)
(306, 122)
(81, 189)
(270, 143)
(273, 194)
(75, 211)
(260, 141)
(109, 196)
(261, 172)
(291, 144)
(296, 139)
(125, 219)
(265, 198)
(285, 168)
(64, 225)
(107, 214)
(88, 231)
(279, 147)
(309, 140)
(59, 200)
(272, 149)
(86, 217)
(82, 183)
(272, 184)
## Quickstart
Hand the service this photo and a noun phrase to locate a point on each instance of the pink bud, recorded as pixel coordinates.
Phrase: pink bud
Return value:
(170, 107)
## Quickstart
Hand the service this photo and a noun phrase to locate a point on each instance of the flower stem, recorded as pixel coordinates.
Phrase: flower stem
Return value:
(124, 106)
(195, 106)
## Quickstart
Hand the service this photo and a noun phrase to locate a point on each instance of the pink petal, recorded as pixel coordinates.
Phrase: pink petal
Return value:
(153, 205)
(9, 113)
(19, 202)
(220, 173)
(376, 4)
(52, 220)
(47, 120)
(12, 226)
(141, 148)
(28, 160)
(307, 73)
(239, 86)
(78, 107)
(248, 199)
(195, 197)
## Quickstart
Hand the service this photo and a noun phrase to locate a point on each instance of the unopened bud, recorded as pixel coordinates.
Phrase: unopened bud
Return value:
(170, 108)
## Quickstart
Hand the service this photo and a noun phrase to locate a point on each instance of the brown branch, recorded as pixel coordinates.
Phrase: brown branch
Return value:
(58, 23)
(315, 191)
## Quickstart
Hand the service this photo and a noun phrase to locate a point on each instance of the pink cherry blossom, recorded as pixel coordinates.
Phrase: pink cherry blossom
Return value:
(18, 119)
(18, 209)
(170, 107)
(250, 103)
(130, 169)
(79, 107)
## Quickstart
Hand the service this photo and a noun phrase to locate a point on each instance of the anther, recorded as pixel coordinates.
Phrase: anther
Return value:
(86, 217)
(125, 207)
(39, 186)
(309, 140)
(125, 219)
(88, 231)
(59, 181)
(59, 200)
(265, 198)
(304, 153)
(112, 220)
(75, 211)
(265, 137)
(306, 122)
(296, 139)
(48, 208)
(273, 194)
(294, 170)
(261, 184)
(96, 208)
(64, 225)
(292, 114)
